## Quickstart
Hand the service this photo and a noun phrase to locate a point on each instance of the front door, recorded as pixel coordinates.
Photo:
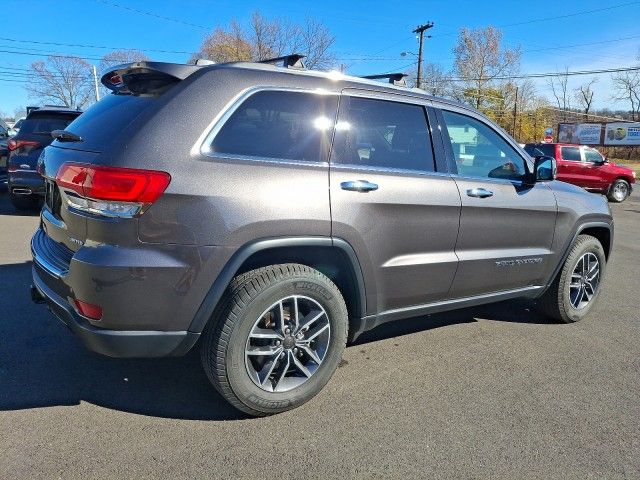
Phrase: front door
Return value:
(387, 200)
(506, 226)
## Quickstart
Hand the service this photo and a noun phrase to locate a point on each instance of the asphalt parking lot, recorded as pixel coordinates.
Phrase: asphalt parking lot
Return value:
(492, 392)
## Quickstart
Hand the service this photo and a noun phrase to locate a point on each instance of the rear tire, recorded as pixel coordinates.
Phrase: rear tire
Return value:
(24, 202)
(619, 191)
(252, 317)
(577, 286)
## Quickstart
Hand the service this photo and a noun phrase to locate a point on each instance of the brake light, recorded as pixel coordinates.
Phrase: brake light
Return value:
(94, 312)
(110, 190)
(12, 168)
(14, 144)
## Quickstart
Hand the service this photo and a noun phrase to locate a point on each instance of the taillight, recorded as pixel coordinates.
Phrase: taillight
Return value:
(14, 144)
(109, 190)
(94, 312)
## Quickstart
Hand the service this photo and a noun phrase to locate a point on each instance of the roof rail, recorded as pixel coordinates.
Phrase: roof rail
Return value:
(288, 61)
(393, 78)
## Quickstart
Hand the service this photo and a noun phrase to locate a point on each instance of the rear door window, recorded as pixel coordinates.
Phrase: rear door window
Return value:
(382, 134)
(279, 125)
(572, 154)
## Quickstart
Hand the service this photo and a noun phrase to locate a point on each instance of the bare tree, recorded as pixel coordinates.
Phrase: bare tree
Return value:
(560, 89)
(19, 112)
(265, 38)
(118, 57)
(61, 80)
(626, 86)
(584, 96)
(480, 60)
(434, 80)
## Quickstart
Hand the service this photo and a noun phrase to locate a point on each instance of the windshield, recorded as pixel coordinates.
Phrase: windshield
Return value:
(44, 123)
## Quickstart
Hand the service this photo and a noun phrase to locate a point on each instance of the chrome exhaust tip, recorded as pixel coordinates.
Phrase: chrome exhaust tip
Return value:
(21, 191)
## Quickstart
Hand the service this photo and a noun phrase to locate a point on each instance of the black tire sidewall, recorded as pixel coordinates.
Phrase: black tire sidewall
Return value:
(593, 246)
(273, 402)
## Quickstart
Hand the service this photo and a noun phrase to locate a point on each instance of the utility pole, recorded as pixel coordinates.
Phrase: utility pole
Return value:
(420, 30)
(95, 83)
(515, 114)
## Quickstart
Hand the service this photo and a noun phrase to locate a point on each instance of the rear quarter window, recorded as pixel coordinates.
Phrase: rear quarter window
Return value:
(103, 121)
(279, 125)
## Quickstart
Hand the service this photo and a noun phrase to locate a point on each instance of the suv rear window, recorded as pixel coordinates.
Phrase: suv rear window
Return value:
(535, 150)
(44, 122)
(279, 125)
(571, 153)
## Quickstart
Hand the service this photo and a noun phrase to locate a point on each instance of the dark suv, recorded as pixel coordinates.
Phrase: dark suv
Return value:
(267, 214)
(25, 184)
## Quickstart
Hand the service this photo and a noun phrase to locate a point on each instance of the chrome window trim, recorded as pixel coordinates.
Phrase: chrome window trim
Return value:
(203, 144)
(383, 170)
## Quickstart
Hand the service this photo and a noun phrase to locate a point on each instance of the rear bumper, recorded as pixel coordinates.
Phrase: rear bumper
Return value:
(113, 343)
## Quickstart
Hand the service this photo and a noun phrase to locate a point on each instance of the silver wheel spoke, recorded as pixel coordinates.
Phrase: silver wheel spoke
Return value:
(281, 317)
(311, 319)
(265, 333)
(266, 351)
(309, 351)
(296, 314)
(317, 331)
(267, 370)
(283, 369)
(300, 366)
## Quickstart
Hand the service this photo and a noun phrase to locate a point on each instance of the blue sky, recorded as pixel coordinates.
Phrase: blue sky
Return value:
(379, 29)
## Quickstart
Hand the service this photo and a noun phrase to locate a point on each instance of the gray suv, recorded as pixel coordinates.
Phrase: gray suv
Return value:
(266, 214)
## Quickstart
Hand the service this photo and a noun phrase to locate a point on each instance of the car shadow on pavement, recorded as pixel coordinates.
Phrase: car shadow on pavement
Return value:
(42, 364)
(7, 209)
(516, 311)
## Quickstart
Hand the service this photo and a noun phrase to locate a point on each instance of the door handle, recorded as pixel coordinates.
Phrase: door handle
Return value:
(362, 186)
(479, 192)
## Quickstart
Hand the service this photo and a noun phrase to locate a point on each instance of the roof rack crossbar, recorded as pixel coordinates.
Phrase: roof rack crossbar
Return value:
(393, 78)
(288, 61)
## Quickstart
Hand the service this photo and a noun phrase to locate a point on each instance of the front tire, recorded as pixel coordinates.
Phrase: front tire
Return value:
(275, 339)
(576, 288)
(619, 191)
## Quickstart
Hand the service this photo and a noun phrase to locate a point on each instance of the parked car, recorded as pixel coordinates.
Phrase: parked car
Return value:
(4, 151)
(586, 167)
(25, 184)
(293, 210)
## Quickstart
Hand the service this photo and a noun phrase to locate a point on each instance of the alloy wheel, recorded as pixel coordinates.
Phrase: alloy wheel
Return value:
(584, 280)
(287, 343)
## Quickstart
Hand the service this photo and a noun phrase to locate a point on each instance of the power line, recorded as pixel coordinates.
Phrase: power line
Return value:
(81, 45)
(544, 75)
(151, 14)
(555, 17)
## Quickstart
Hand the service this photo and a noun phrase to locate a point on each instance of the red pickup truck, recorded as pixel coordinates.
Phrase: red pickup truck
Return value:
(586, 167)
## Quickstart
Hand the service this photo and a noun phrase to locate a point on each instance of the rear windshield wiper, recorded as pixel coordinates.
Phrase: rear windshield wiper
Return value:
(65, 136)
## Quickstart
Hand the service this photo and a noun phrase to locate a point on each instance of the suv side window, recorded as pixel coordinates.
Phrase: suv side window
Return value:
(279, 125)
(592, 155)
(382, 134)
(571, 154)
(479, 151)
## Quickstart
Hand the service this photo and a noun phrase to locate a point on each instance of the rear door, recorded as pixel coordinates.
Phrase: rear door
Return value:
(506, 226)
(390, 202)
(571, 168)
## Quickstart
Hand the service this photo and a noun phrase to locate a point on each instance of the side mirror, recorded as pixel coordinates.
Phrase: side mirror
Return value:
(545, 169)
(599, 163)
